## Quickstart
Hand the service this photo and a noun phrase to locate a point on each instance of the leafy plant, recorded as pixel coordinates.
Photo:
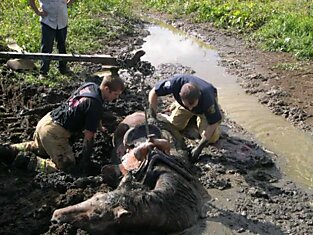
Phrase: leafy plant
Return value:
(91, 24)
(288, 33)
(279, 25)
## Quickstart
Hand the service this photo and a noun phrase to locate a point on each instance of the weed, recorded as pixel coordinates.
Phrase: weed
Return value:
(92, 23)
(288, 66)
(278, 25)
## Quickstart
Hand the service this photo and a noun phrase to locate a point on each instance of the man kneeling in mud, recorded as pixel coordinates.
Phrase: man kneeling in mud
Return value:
(81, 112)
(193, 97)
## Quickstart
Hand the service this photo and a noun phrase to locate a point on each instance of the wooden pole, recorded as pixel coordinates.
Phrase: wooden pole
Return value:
(98, 59)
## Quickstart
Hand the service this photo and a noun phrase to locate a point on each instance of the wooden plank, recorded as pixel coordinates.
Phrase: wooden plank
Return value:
(98, 59)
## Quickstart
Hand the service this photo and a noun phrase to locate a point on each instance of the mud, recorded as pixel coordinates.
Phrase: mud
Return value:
(279, 80)
(249, 194)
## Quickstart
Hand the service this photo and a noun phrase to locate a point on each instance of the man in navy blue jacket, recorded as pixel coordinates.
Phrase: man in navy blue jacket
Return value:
(193, 96)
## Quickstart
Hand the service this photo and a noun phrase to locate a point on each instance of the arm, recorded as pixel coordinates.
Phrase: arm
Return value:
(206, 136)
(86, 151)
(101, 127)
(161, 144)
(153, 100)
(209, 131)
(69, 2)
(142, 150)
(38, 12)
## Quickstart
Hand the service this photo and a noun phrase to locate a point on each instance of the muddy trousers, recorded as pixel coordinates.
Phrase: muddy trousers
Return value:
(50, 140)
(181, 116)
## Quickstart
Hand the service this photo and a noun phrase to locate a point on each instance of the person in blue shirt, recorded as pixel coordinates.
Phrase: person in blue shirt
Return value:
(193, 96)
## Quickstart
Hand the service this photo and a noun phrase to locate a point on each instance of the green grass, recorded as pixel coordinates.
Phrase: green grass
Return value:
(288, 66)
(277, 25)
(87, 24)
(289, 33)
(92, 23)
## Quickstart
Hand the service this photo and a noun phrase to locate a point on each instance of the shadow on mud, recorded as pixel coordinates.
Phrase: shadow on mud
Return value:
(242, 164)
(240, 223)
(234, 155)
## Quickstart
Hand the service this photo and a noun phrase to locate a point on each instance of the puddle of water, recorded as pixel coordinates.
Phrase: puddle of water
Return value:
(294, 148)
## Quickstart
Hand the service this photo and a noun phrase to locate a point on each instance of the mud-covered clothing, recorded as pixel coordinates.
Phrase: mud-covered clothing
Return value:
(180, 117)
(207, 104)
(82, 111)
(50, 139)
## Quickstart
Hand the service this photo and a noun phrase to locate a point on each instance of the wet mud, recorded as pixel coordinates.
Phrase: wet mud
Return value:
(279, 80)
(249, 194)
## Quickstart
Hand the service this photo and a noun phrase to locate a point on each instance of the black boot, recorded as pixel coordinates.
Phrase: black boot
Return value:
(7, 154)
(21, 161)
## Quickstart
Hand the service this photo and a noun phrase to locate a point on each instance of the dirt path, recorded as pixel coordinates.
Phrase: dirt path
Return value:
(249, 195)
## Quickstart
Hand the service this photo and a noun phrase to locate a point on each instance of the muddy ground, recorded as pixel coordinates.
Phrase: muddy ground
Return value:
(249, 194)
(279, 80)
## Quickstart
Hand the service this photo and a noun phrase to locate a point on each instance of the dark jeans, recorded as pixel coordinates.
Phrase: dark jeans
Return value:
(48, 35)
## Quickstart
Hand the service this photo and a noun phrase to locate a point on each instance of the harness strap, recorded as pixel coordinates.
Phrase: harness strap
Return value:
(155, 155)
(86, 94)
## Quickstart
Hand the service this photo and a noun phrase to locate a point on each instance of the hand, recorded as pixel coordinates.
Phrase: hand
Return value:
(84, 165)
(195, 152)
(152, 113)
(103, 129)
(42, 13)
(69, 2)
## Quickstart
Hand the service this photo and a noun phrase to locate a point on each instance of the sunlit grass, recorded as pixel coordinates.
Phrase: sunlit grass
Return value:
(289, 33)
(92, 23)
(288, 66)
(278, 25)
(88, 22)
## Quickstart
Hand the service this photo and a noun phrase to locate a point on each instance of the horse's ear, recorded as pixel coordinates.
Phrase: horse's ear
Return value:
(120, 212)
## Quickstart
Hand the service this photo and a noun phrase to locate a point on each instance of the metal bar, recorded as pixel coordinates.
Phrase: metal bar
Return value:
(146, 104)
(100, 59)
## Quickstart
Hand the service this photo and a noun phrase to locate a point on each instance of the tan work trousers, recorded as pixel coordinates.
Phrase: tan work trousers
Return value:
(181, 116)
(53, 140)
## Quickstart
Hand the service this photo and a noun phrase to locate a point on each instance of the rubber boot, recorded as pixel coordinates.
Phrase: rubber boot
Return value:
(30, 162)
(7, 154)
(41, 165)
(22, 160)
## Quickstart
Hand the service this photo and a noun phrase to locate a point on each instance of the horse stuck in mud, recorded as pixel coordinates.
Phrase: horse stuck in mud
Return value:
(158, 195)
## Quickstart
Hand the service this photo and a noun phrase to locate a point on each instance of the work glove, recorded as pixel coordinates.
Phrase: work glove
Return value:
(194, 155)
(195, 152)
(7, 154)
(85, 161)
(84, 165)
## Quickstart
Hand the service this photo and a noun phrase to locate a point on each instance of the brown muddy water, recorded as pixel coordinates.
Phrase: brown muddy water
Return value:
(294, 148)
